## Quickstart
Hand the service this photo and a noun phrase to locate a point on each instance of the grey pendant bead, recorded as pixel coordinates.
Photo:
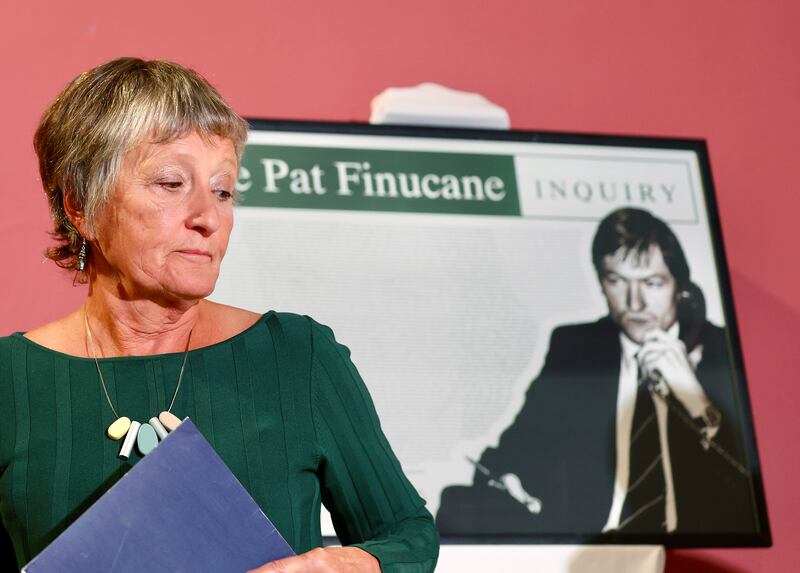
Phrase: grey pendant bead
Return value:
(159, 428)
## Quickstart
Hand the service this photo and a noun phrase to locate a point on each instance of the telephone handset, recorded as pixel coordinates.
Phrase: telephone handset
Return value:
(691, 315)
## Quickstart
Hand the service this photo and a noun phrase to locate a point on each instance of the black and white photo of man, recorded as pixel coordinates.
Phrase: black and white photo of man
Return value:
(632, 424)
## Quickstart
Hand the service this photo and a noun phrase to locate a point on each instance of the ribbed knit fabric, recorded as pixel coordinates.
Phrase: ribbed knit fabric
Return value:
(281, 403)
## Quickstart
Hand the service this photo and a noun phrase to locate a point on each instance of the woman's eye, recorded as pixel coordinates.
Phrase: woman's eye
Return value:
(171, 185)
(224, 195)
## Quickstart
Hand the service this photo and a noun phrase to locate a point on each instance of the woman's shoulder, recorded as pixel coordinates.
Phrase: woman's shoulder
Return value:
(226, 321)
(302, 333)
(294, 326)
(230, 321)
(61, 335)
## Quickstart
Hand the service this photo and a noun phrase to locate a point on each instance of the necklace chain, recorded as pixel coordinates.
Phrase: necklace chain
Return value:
(92, 349)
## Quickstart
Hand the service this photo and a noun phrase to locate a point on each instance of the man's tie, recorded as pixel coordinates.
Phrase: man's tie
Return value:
(644, 507)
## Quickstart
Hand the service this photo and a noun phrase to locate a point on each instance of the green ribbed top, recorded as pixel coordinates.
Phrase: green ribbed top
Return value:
(281, 403)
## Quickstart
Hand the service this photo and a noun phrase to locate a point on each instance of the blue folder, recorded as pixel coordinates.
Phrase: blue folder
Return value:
(180, 509)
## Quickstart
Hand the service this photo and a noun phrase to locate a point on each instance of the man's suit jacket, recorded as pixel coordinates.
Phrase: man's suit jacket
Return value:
(562, 447)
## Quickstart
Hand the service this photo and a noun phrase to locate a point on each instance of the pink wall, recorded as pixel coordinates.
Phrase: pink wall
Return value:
(723, 70)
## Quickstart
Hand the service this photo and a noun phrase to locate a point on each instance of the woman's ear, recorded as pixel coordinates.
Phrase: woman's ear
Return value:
(76, 215)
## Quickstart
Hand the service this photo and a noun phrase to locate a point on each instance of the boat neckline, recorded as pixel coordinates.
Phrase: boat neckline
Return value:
(28, 341)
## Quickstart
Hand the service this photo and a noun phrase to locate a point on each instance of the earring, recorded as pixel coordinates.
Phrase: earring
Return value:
(82, 256)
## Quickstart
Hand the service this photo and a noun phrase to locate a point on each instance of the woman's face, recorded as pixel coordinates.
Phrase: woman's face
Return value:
(165, 229)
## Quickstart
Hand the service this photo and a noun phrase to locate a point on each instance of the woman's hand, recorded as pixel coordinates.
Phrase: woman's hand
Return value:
(325, 560)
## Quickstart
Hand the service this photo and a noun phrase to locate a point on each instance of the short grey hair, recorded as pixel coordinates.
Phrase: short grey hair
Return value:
(100, 116)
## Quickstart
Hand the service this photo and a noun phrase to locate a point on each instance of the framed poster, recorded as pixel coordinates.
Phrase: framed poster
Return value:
(544, 321)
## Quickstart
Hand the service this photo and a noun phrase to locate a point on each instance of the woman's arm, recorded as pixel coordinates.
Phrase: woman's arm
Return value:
(376, 512)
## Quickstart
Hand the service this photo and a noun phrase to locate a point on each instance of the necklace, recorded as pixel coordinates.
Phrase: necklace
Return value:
(147, 435)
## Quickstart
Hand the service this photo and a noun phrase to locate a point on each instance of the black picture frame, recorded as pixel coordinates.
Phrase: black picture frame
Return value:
(760, 535)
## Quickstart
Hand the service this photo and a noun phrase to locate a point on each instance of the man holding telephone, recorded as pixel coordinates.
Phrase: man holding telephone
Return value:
(631, 426)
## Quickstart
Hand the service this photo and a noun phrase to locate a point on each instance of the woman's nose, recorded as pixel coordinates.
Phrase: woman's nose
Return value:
(203, 215)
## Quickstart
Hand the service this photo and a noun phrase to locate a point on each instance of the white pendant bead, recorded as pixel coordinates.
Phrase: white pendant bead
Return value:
(159, 428)
(169, 420)
(130, 440)
(119, 428)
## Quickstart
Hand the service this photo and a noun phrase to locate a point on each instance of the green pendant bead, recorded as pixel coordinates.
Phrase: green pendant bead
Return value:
(147, 439)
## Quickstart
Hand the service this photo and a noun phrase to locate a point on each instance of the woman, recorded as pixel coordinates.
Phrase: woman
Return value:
(139, 161)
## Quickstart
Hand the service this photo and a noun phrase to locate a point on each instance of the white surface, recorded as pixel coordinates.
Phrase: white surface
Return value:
(551, 559)
(432, 104)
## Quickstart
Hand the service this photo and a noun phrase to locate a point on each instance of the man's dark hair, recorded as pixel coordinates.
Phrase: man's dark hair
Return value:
(634, 231)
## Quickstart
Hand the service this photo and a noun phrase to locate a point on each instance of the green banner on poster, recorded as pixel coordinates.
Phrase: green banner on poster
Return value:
(378, 180)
